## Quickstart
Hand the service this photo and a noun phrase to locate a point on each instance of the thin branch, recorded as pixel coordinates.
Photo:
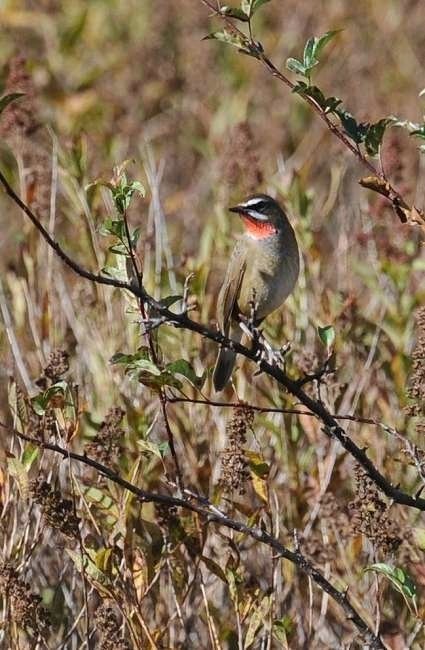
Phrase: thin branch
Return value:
(211, 514)
(182, 321)
(289, 411)
(154, 357)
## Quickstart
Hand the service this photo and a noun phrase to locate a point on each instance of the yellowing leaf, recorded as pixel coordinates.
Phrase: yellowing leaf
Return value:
(259, 472)
(256, 620)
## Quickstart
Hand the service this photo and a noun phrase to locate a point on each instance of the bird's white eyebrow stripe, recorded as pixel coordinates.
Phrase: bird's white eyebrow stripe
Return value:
(251, 202)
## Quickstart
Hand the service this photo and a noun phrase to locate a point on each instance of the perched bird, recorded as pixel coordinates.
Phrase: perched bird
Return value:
(264, 264)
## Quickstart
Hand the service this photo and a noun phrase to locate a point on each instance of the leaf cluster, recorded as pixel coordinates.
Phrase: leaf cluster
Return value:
(139, 366)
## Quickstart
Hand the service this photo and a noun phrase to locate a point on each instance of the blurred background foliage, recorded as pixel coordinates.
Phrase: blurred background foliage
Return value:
(107, 81)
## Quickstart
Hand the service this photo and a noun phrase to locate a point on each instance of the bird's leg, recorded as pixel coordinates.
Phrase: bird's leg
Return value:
(248, 325)
(253, 334)
(260, 345)
(275, 357)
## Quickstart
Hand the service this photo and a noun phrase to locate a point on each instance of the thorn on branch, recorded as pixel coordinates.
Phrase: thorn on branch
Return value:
(419, 492)
(322, 372)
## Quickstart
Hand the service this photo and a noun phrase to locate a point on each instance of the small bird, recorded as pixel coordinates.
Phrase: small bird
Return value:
(264, 266)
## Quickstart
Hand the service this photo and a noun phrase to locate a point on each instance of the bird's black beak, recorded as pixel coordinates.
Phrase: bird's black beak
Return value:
(238, 209)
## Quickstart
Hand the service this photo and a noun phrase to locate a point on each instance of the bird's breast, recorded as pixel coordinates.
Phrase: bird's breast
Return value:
(272, 271)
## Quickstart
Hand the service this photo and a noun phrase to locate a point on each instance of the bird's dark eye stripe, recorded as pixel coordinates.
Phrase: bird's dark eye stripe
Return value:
(259, 206)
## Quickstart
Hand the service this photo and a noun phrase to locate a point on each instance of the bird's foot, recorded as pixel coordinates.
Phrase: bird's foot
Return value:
(275, 357)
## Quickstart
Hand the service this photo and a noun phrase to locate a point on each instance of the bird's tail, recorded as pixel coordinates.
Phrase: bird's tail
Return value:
(224, 364)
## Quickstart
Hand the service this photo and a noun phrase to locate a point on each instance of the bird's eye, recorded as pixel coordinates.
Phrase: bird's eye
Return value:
(260, 206)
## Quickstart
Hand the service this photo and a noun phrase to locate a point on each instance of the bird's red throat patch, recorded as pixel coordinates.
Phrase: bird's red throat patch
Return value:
(258, 229)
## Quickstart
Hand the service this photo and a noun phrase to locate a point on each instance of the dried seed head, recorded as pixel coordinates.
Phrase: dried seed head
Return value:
(371, 515)
(108, 628)
(105, 446)
(416, 387)
(57, 512)
(27, 611)
(234, 465)
(58, 365)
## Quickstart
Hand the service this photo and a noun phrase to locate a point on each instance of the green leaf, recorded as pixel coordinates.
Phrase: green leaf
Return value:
(295, 66)
(39, 404)
(321, 41)
(312, 50)
(326, 335)
(41, 401)
(115, 227)
(137, 186)
(142, 353)
(282, 628)
(250, 7)
(8, 99)
(138, 361)
(19, 472)
(257, 618)
(214, 568)
(327, 104)
(121, 189)
(144, 365)
(375, 134)
(233, 12)
(309, 54)
(123, 193)
(184, 368)
(256, 4)
(101, 499)
(355, 131)
(236, 40)
(156, 381)
(116, 273)
(139, 366)
(31, 453)
(120, 249)
(415, 130)
(398, 578)
(259, 471)
(93, 573)
(159, 450)
(135, 236)
(257, 464)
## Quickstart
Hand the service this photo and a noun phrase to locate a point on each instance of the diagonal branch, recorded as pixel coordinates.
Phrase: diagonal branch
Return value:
(211, 514)
(182, 321)
(376, 181)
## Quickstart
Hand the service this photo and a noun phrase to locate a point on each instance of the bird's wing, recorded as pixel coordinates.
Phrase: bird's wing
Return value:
(228, 297)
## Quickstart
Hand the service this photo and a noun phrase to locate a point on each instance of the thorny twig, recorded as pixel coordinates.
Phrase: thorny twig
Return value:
(318, 375)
